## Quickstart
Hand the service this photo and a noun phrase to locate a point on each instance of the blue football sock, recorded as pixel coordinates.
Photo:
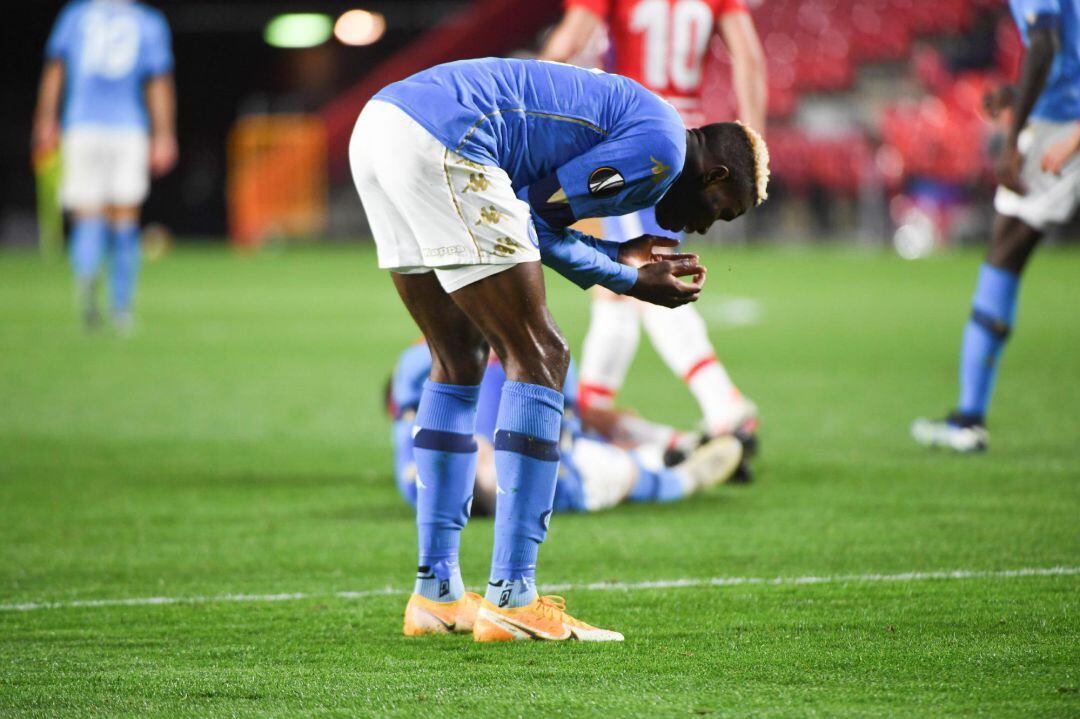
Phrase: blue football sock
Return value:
(126, 254)
(992, 315)
(88, 238)
(445, 452)
(664, 485)
(527, 465)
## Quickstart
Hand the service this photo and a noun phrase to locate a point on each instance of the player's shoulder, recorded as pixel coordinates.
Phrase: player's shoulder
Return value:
(150, 15)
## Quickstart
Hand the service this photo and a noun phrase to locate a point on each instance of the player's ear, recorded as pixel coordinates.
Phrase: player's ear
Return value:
(716, 174)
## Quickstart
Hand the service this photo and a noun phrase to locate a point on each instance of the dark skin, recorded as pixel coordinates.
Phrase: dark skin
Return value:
(1013, 240)
(703, 193)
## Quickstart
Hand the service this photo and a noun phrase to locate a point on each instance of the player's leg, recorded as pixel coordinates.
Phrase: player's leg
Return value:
(396, 168)
(83, 196)
(128, 159)
(510, 308)
(444, 452)
(993, 311)
(614, 331)
(125, 258)
(682, 341)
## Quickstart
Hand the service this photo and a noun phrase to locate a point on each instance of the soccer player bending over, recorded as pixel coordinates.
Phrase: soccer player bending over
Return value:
(112, 63)
(470, 174)
(1039, 186)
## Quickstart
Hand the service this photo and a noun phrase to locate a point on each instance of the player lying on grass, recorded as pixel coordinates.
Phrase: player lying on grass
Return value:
(470, 173)
(595, 472)
(1039, 186)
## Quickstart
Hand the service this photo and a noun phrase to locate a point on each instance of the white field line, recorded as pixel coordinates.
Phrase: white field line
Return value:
(594, 587)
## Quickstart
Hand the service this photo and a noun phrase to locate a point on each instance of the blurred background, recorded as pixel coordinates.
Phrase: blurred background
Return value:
(876, 121)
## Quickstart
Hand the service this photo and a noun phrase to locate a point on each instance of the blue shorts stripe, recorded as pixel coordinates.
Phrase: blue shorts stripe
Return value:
(444, 441)
(542, 449)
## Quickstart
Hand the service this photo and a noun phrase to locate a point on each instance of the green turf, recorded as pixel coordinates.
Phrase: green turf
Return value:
(236, 445)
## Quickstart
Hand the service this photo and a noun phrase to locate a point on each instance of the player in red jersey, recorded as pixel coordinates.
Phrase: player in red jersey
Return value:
(663, 44)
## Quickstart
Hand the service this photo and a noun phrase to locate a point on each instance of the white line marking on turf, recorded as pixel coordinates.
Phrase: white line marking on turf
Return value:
(593, 587)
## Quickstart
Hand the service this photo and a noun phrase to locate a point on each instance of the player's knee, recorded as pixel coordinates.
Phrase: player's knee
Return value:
(1011, 246)
(549, 359)
(461, 362)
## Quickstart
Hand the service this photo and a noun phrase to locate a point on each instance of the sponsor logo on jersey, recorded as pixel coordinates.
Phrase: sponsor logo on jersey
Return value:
(605, 182)
(659, 170)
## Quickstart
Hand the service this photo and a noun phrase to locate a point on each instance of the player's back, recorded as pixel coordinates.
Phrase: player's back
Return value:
(664, 44)
(1060, 99)
(109, 49)
(530, 117)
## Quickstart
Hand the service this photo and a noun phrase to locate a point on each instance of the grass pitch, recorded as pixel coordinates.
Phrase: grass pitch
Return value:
(236, 445)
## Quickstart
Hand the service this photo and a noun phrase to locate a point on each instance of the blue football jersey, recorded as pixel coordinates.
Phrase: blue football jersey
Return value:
(576, 143)
(109, 48)
(1060, 99)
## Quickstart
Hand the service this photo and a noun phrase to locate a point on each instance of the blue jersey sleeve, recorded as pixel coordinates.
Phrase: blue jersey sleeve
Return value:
(158, 56)
(625, 173)
(584, 260)
(630, 170)
(62, 37)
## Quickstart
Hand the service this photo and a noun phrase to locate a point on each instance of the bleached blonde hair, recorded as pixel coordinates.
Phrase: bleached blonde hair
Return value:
(761, 162)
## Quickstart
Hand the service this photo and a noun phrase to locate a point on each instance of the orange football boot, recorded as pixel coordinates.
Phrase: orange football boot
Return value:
(545, 619)
(423, 616)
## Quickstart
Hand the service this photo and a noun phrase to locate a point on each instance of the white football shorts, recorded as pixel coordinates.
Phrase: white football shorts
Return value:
(103, 167)
(1050, 199)
(430, 209)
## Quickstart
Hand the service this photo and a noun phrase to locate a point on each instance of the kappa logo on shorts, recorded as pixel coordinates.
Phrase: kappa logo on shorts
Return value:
(477, 183)
(605, 182)
(490, 215)
(505, 246)
(444, 251)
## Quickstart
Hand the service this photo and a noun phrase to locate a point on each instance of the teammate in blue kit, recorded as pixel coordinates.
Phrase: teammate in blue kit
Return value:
(470, 173)
(107, 99)
(1039, 186)
(606, 457)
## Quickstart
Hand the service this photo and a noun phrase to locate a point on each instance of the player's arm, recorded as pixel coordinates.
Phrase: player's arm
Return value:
(46, 126)
(160, 92)
(747, 66)
(161, 107)
(572, 35)
(584, 187)
(1044, 39)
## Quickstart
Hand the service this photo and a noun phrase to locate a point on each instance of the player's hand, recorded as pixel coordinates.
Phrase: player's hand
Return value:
(163, 154)
(1059, 154)
(642, 250)
(1008, 169)
(658, 282)
(45, 138)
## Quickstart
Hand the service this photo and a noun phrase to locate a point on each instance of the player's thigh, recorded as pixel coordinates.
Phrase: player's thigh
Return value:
(84, 182)
(458, 348)
(510, 308)
(1011, 243)
(128, 168)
